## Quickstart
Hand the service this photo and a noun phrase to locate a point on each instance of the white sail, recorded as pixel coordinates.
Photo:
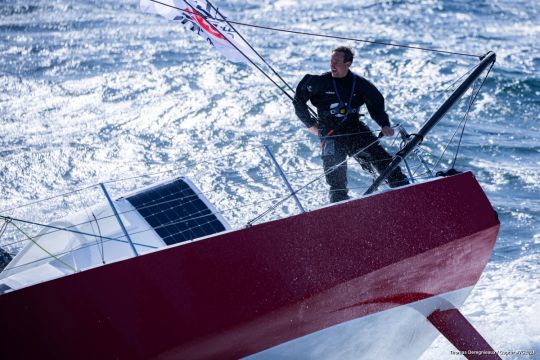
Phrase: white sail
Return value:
(201, 18)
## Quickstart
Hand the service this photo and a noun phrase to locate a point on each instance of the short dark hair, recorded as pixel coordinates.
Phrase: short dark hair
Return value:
(347, 52)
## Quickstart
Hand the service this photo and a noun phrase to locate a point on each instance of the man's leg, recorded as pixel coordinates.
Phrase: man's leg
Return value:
(376, 156)
(337, 179)
(381, 159)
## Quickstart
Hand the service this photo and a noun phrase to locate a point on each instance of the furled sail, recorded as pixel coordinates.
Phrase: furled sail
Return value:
(203, 19)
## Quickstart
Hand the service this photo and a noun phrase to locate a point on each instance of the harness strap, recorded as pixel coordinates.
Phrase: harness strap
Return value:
(342, 106)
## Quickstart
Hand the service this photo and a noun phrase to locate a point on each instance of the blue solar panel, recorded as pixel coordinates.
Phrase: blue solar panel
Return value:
(176, 212)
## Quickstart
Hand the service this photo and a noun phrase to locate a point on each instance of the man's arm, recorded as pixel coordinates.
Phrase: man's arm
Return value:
(303, 93)
(375, 105)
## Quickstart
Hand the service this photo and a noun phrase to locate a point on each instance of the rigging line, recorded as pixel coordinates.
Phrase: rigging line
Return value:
(329, 36)
(327, 137)
(3, 228)
(253, 147)
(251, 47)
(467, 113)
(453, 135)
(241, 52)
(446, 90)
(98, 239)
(193, 196)
(124, 179)
(447, 145)
(355, 39)
(12, 219)
(333, 168)
(99, 242)
(197, 13)
(46, 199)
(45, 250)
(464, 122)
(223, 212)
(234, 153)
(459, 125)
(420, 154)
(70, 250)
(86, 207)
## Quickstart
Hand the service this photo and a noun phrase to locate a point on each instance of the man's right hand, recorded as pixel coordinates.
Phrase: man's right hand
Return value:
(314, 130)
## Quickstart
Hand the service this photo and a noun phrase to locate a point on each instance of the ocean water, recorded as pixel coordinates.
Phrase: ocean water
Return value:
(96, 91)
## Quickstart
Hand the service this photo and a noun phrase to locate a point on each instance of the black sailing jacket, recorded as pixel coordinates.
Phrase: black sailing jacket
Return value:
(319, 89)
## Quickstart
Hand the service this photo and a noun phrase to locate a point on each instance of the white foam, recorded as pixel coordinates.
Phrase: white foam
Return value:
(504, 307)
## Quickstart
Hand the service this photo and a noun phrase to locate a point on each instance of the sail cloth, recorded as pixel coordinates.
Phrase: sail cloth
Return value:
(201, 18)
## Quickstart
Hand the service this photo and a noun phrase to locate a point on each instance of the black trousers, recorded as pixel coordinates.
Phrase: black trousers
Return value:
(336, 149)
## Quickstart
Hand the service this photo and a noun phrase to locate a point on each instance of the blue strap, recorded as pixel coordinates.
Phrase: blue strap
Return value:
(341, 104)
(352, 92)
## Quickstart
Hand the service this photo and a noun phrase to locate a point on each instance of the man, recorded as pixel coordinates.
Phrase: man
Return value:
(338, 95)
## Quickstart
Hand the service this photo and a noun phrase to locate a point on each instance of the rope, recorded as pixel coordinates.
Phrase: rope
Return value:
(355, 39)
(4, 227)
(176, 169)
(446, 90)
(240, 51)
(46, 199)
(45, 250)
(100, 242)
(251, 47)
(205, 192)
(333, 168)
(473, 99)
(63, 229)
(206, 16)
(325, 35)
(252, 146)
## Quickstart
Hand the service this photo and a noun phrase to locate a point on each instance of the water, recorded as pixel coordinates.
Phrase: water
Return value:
(95, 91)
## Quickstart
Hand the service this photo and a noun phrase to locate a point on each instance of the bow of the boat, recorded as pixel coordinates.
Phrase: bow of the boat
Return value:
(346, 279)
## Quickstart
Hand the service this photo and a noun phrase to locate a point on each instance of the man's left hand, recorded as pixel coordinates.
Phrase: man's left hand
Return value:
(387, 131)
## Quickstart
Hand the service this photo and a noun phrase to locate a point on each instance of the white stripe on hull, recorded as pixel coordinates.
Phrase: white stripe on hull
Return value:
(402, 332)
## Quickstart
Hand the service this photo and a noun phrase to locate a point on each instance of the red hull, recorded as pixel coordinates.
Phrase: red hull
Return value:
(241, 292)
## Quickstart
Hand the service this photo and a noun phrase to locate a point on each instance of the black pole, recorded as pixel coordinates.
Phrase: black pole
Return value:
(486, 60)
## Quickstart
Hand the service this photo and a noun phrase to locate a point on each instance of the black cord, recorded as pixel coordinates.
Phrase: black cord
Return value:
(236, 47)
(332, 36)
(473, 99)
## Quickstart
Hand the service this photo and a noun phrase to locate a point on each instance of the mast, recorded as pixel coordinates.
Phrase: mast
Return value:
(486, 60)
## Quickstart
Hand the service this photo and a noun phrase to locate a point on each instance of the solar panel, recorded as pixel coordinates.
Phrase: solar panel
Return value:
(177, 212)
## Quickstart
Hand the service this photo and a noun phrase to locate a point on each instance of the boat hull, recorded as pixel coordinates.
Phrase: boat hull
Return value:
(243, 292)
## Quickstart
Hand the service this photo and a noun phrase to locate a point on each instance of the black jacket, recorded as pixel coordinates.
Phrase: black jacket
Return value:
(319, 89)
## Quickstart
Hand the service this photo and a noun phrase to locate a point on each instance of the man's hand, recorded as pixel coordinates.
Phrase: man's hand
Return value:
(314, 130)
(387, 131)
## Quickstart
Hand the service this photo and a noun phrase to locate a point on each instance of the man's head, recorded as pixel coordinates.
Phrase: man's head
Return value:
(341, 60)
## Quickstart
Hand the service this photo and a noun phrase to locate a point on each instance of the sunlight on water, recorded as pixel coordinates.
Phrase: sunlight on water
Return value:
(95, 91)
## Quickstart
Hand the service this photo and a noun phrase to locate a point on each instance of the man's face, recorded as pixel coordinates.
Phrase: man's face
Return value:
(337, 66)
